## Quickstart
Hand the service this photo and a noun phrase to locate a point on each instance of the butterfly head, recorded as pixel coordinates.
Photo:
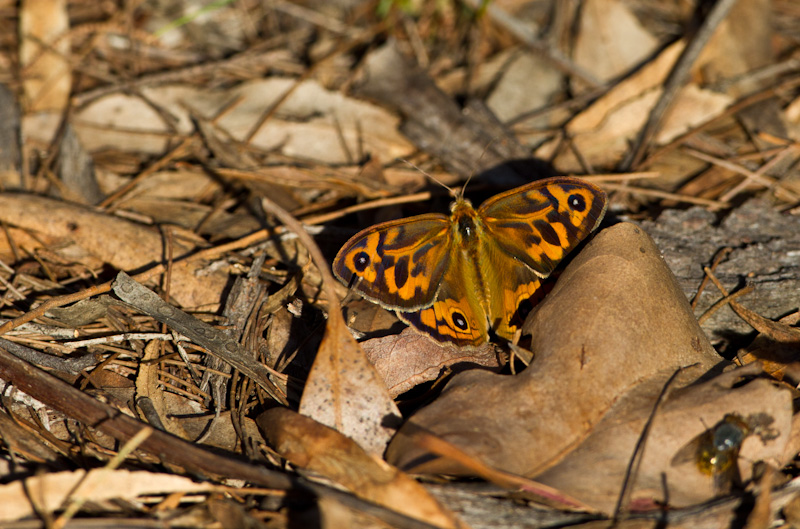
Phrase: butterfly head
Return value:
(460, 205)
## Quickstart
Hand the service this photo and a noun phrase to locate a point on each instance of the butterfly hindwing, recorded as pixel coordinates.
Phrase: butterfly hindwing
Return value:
(398, 264)
(514, 289)
(538, 224)
(456, 315)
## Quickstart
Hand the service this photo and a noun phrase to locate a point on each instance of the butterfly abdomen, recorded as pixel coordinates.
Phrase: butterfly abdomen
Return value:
(469, 235)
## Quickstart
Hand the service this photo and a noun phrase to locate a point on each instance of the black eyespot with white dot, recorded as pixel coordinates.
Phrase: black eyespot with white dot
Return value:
(459, 321)
(577, 202)
(361, 261)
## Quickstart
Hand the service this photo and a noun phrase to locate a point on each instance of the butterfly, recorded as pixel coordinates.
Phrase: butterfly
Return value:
(455, 278)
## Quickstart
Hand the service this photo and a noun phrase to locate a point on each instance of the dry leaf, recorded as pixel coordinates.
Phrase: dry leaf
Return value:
(44, 55)
(777, 345)
(367, 319)
(602, 133)
(407, 359)
(49, 491)
(313, 123)
(515, 94)
(123, 244)
(344, 391)
(692, 107)
(610, 40)
(313, 446)
(615, 318)
(742, 43)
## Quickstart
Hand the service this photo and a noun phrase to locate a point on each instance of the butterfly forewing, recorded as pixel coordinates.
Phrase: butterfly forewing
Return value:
(540, 223)
(398, 264)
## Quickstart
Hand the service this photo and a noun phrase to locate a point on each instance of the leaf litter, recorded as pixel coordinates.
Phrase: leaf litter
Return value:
(151, 142)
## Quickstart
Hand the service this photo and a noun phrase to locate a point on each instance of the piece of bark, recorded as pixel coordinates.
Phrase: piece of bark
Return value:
(11, 153)
(465, 142)
(76, 171)
(765, 248)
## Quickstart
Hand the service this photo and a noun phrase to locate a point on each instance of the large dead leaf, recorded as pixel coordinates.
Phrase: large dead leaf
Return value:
(315, 447)
(615, 318)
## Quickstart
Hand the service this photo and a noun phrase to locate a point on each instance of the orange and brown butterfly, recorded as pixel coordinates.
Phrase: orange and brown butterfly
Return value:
(455, 278)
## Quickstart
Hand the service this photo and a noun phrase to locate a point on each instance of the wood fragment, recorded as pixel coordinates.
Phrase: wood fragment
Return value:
(776, 330)
(201, 333)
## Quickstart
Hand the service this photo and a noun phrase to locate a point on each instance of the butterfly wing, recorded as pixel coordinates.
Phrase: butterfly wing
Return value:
(457, 315)
(514, 289)
(398, 264)
(538, 224)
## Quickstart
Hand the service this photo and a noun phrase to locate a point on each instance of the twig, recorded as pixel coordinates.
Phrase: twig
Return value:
(717, 260)
(664, 194)
(675, 81)
(728, 299)
(145, 336)
(751, 177)
(636, 458)
(213, 340)
(56, 363)
(776, 331)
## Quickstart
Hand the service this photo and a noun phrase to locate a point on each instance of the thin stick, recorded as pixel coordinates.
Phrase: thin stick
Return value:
(664, 194)
(717, 260)
(638, 451)
(676, 79)
(728, 299)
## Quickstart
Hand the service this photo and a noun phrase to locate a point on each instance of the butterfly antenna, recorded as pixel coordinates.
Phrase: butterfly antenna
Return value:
(449, 189)
(469, 178)
(464, 187)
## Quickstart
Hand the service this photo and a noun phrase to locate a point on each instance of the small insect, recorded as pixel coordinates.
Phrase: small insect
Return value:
(715, 452)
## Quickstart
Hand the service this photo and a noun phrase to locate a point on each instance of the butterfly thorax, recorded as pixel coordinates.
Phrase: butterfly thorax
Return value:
(467, 226)
(465, 219)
